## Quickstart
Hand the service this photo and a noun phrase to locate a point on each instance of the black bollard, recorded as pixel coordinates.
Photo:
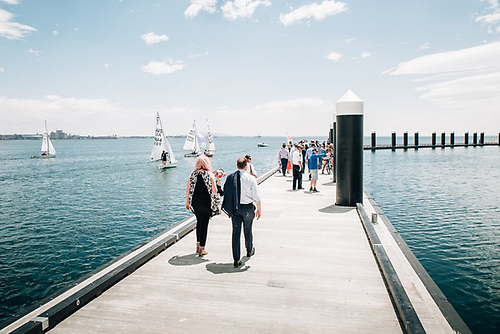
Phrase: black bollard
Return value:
(374, 140)
(433, 139)
(349, 159)
(466, 139)
(452, 139)
(393, 141)
(405, 140)
(415, 140)
(481, 139)
(474, 138)
(443, 139)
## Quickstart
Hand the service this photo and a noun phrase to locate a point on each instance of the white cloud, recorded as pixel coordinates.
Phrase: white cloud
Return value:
(55, 33)
(12, 2)
(313, 11)
(12, 30)
(91, 116)
(242, 8)
(34, 52)
(350, 40)
(424, 46)
(81, 116)
(2, 69)
(319, 113)
(493, 18)
(151, 38)
(475, 58)
(334, 56)
(366, 54)
(464, 79)
(197, 55)
(163, 67)
(198, 5)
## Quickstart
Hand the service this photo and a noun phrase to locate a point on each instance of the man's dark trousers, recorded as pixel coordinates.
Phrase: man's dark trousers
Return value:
(284, 164)
(244, 215)
(297, 177)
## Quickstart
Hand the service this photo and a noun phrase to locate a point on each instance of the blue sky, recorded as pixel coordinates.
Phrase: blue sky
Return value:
(104, 67)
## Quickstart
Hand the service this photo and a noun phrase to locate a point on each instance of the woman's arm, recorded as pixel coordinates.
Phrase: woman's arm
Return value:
(187, 192)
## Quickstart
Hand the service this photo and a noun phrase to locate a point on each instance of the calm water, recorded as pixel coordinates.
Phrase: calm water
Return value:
(64, 217)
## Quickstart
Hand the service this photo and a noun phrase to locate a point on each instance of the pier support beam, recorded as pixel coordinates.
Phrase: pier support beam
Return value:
(393, 141)
(349, 153)
(452, 139)
(466, 139)
(443, 139)
(433, 140)
(374, 140)
(405, 140)
(474, 139)
(481, 139)
(415, 140)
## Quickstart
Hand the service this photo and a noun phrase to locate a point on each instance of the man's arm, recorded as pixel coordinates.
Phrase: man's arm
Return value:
(258, 213)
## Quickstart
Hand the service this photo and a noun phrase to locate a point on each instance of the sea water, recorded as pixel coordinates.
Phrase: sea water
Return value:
(62, 218)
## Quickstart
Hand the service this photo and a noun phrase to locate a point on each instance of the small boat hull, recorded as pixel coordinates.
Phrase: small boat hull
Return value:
(192, 154)
(167, 166)
(46, 156)
(262, 145)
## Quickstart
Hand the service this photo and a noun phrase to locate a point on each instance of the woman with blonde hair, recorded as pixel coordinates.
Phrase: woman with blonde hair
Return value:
(200, 191)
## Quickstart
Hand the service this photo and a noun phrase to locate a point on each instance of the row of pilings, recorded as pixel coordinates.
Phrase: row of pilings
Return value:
(476, 141)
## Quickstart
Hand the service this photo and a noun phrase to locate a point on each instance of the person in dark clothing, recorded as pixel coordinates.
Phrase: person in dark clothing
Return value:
(164, 156)
(200, 190)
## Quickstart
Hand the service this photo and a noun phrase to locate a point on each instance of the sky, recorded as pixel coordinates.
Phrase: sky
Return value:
(248, 67)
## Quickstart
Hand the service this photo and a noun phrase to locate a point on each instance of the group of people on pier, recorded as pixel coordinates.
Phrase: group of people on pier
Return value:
(302, 155)
(239, 198)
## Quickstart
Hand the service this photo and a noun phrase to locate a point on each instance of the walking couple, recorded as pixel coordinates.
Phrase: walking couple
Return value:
(241, 203)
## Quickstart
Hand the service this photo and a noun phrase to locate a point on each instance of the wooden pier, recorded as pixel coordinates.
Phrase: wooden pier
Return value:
(477, 141)
(316, 269)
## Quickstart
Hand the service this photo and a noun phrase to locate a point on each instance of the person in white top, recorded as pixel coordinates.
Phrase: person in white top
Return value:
(297, 168)
(250, 167)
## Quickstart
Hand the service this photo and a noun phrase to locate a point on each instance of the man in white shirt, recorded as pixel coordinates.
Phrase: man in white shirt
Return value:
(297, 168)
(243, 211)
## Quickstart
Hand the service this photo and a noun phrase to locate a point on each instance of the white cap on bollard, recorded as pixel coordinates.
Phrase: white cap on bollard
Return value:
(349, 104)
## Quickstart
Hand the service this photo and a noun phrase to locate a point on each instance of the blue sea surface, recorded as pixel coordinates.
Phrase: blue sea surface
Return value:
(62, 218)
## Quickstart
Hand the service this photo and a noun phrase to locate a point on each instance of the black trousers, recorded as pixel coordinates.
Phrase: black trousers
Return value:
(284, 163)
(243, 216)
(297, 177)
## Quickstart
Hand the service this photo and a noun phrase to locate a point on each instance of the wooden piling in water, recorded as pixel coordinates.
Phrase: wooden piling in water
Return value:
(476, 141)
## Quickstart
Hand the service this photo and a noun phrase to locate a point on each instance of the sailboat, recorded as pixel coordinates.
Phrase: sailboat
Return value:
(211, 143)
(48, 151)
(192, 143)
(161, 145)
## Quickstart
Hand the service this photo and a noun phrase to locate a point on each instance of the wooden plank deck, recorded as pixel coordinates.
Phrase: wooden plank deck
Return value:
(313, 272)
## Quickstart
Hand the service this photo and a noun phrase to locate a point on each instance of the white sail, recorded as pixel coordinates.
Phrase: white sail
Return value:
(161, 144)
(210, 137)
(47, 147)
(191, 142)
